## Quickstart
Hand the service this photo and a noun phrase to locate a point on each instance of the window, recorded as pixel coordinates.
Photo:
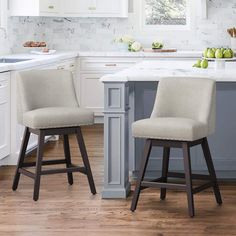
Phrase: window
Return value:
(165, 14)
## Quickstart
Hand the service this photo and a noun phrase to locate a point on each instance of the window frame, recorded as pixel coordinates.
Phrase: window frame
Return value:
(161, 28)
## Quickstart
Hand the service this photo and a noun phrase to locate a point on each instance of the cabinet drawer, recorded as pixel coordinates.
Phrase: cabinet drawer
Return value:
(3, 91)
(106, 64)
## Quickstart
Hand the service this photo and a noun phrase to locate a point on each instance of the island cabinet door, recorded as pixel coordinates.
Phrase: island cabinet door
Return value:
(4, 115)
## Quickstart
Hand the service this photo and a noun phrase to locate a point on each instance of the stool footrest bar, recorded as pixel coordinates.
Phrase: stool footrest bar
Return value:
(163, 185)
(27, 173)
(194, 176)
(203, 187)
(46, 163)
(161, 179)
(64, 170)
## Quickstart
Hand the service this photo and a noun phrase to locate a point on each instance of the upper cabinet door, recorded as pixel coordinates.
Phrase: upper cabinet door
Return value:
(96, 8)
(78, 7)
(108, 6)
(35, 7)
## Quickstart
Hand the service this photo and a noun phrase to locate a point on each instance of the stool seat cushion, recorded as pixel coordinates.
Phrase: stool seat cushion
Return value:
(169, 128)
(57, 117)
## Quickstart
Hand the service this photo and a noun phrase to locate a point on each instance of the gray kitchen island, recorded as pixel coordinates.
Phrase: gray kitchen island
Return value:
(129, 96)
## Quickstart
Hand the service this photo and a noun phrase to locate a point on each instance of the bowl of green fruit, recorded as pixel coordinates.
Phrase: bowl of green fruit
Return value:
(219, 56)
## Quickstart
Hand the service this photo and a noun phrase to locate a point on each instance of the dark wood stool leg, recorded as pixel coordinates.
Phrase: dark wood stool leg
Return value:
(142, 169)
(211, 169)
(21, 158)
(68, 157)
(38, 164)
(165, 167)
(84, 155)
(188, 178)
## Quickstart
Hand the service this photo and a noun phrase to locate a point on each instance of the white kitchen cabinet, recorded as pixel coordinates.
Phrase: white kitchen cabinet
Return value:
(111, 7)
(92, 93)
(78, 7)
(35, 7)
(96, 8)
(91, 89)
(69, 8)
(5, 129)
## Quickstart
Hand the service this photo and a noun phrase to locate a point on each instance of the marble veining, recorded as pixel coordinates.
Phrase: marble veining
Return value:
(97, 34)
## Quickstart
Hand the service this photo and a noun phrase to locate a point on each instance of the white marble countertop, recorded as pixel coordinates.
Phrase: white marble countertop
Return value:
(154, 70)
(36, 60)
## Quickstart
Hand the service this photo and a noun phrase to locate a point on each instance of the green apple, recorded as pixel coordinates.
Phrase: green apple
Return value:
(227, 53)
(204, 64)
(205, 52)
(214, 49)
(232, 53)
(218, 53)
(197, 64)
(210, 53)
(222, 50)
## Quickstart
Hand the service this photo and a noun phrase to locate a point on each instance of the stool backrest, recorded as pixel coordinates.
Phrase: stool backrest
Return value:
(45, 88)
(193, 98)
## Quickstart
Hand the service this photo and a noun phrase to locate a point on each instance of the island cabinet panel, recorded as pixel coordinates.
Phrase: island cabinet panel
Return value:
(116, 141)
(4, 115)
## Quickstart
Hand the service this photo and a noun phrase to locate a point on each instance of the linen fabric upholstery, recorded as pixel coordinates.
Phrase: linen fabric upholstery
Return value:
(47, 99)
(52, 117)
(184, 109)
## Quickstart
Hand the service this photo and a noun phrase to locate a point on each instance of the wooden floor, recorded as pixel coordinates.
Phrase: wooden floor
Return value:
(72, 210)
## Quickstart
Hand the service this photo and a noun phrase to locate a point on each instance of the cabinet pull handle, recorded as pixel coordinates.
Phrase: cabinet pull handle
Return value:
(72, 65)
(92, 8)
(109, 65)
(51, 7)
(60, 67)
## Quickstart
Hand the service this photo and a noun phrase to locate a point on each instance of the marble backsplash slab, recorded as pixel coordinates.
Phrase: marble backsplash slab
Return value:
(89, 34)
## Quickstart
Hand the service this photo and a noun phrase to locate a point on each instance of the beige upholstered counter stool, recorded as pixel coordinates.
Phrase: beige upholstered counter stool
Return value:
(183, 116)
(48, 106)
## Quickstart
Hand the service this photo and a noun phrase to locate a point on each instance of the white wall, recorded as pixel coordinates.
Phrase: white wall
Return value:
(97, 34)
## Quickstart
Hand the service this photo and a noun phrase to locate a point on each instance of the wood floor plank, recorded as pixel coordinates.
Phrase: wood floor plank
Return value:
(73, 210)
